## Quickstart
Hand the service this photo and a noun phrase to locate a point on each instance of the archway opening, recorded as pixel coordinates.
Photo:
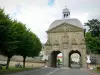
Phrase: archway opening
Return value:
(56, 59)
(75, 59)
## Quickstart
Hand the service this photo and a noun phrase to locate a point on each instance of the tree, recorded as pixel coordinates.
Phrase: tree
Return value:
(37, 46)
(94, 27)
(93, 36)
(7, 37)
(16, 39)
(29, 45)
(22, 38)
(92, 43)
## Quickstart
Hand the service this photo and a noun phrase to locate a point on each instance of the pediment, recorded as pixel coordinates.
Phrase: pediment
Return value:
(66, 27)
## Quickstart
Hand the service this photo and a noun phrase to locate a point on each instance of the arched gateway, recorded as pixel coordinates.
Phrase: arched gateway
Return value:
(65, 36)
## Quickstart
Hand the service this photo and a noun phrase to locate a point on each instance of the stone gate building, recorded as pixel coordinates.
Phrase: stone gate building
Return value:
(65, 36)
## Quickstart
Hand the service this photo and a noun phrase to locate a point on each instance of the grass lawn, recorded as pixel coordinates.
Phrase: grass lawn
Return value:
(13, 70)
(95, 70)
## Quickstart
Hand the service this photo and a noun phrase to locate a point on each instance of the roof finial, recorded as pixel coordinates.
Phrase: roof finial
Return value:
(65, 6)
(66, 12)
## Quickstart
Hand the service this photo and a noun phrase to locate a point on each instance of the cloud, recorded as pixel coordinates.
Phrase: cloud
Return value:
(16, 11)
(39, 14)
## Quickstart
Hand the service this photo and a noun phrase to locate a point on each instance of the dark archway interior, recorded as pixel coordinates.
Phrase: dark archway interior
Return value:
(54, 58)
(72, 52)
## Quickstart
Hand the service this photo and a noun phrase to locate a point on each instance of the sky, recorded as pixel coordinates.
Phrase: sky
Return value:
(39, 14)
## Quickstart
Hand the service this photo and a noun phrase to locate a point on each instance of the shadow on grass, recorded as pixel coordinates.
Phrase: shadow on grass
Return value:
(13, 70)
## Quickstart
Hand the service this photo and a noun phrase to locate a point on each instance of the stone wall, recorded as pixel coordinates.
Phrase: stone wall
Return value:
(20, 58)
(27, 64)
(97, 58)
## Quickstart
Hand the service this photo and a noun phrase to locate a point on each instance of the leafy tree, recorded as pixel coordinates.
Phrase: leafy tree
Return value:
(93, 36)
(16, 39)
(94, 27)
(92, 43)
(29, 45)
(33, 46)
(22, 38)
(37, 46)
(7, 37)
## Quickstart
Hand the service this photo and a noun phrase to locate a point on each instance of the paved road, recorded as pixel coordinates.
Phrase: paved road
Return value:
(54, 71)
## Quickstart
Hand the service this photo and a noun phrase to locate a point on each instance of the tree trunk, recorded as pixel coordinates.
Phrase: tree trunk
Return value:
(24, 57)
(8, 61)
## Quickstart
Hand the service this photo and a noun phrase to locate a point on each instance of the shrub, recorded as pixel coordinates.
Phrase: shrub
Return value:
(98, 68)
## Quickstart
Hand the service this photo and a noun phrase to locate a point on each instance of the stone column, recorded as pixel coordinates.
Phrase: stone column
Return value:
(65, 58)
(49, 61)
(83, 61)
(83, 58)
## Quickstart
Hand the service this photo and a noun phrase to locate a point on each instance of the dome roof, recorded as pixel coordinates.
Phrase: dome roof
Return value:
(71, 21)
(66, 10)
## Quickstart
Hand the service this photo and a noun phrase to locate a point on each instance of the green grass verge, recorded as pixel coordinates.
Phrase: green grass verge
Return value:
(95, 70)
(13, 70)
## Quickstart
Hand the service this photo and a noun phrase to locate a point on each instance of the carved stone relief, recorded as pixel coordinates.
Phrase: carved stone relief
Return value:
(56, 42)
(65, 39)
(82, 42)
(74, 42)
(65, 27)
(70, 36)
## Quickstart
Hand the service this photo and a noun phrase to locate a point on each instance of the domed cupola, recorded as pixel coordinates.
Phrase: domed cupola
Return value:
(66, 19)
(66, 13)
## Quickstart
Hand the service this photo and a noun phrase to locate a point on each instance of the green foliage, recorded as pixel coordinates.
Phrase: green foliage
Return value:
(29, 45)
(92, 43)
(98, 68)
(7, 39)
(16, 39)
(36, 45)
(93, 36)
(94, 27)
(7, 36)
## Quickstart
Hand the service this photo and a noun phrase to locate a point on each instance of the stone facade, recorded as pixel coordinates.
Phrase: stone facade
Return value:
(66, 38)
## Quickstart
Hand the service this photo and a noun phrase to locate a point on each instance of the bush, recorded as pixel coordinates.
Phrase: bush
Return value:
(0, 67)
(98, 68)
